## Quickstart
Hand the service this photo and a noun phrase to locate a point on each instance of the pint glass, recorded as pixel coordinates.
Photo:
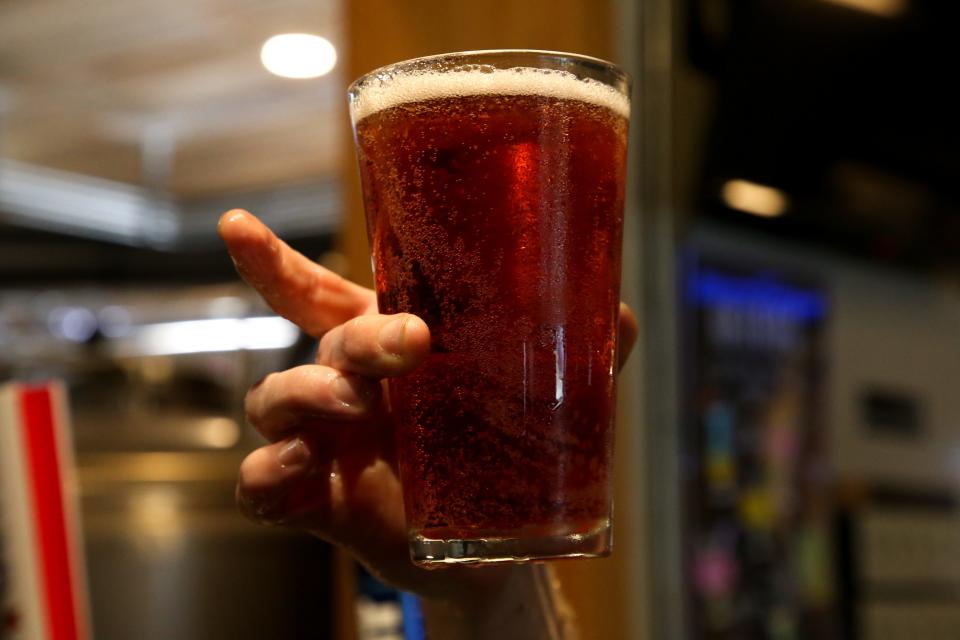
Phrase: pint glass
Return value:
(493, 186)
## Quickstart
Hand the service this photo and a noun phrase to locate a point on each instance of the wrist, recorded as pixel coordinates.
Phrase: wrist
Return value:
(518, 601)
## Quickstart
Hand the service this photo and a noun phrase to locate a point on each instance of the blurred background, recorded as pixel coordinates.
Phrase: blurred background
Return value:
(789, 441)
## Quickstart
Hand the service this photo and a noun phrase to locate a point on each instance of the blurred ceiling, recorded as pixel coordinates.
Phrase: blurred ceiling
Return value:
(112, 88)
(847, 108)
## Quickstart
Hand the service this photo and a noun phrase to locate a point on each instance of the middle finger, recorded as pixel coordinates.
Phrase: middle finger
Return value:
(284, 402)
(377, 346)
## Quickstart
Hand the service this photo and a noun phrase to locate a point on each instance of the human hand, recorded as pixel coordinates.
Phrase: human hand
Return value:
(330, 467)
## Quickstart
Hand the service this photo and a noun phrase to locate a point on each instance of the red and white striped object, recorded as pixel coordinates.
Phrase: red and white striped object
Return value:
(44, 596)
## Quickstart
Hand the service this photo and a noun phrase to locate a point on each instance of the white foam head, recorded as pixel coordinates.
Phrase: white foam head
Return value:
(383, 92)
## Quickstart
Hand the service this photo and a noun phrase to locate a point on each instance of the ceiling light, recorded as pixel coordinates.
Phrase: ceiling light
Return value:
(298, 55)
(156, 517)
(882, 8)
(75, 324)
(218, 433)
(208, 336)
(754, 198)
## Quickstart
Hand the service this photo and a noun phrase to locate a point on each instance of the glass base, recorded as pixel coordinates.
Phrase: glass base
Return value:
(434, 553)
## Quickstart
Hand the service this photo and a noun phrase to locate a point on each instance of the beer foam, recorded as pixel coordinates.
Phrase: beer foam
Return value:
(386, 91)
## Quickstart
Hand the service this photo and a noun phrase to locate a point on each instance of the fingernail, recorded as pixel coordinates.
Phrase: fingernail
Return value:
(392, 334)
(346, 392)
(229, 217)
(294, 455)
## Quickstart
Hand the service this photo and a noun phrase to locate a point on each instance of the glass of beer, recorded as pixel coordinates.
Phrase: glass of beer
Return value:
(493, 184)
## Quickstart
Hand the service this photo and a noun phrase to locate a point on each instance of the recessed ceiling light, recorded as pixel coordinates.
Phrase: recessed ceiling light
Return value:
(754, 198)
(882, 8)
(298, 55)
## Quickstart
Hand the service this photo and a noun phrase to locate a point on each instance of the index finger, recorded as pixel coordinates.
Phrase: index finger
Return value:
(297, 288)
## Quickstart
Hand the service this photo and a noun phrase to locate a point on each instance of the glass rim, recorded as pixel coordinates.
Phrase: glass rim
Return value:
(620, 79)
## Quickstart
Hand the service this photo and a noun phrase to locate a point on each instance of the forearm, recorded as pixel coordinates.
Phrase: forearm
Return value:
(529, 606)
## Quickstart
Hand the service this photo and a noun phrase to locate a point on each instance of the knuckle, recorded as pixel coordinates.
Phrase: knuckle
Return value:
(252, 401)
(357, 351)
(257, 507)
(256, 499)
(323, 348)
(304, 386)
(359, 342)
(297, 379)
(249, 410)
(353, 330)
(328, 344)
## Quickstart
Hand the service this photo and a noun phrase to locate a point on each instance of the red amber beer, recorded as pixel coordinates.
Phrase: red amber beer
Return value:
(493, 184)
